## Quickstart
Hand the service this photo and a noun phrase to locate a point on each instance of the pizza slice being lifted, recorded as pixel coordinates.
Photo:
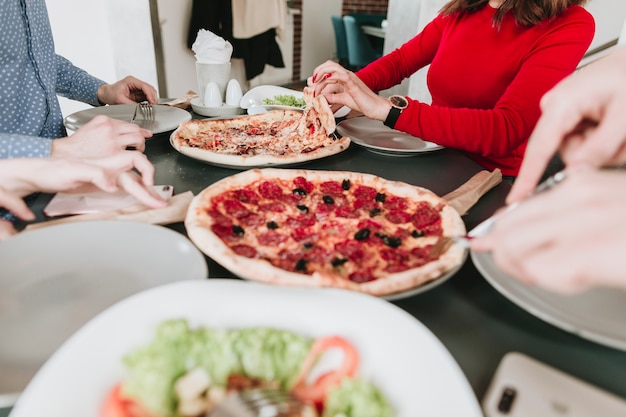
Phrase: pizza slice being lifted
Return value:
(279, 137)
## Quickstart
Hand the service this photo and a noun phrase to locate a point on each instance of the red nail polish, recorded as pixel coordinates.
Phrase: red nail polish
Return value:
(327, 76)
(314, 77)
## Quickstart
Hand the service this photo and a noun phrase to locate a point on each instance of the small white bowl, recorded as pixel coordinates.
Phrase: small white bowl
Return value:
(220, 111)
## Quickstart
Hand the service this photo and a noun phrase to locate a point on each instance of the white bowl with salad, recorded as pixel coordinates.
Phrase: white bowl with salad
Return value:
(272, 97)
(149, 341)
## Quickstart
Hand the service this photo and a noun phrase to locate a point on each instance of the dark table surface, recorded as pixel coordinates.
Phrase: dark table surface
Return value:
(476, 323)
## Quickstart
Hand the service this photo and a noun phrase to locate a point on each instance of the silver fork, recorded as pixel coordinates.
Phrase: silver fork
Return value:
(257, 402)
(485, 226)
(147, 111)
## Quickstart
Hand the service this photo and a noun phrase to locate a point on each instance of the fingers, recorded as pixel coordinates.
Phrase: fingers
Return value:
(15, 204)
(6, 230)
(603, 145)
(132, 184)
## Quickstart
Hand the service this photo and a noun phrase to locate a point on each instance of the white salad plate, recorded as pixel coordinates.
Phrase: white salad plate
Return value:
(54, 279)
(256, 95)
(374, 136)
(252, 101)
(398, 354)
(597, 314)
(166, 118)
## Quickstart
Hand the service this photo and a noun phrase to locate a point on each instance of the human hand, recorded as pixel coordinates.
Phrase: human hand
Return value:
(566, 239)
(102, 136)
(341, 87)
(6, 230)
(128, 90)
(24, 176)
(582, 117)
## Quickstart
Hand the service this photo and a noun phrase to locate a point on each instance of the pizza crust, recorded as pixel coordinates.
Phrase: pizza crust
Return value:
(198, 224)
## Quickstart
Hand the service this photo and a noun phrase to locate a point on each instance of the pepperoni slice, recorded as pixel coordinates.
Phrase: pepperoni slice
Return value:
(393, 202)
(351, 249)
(398, 217)
(363, 192)
(362, 275)
(301, 234)
(301, 182)
(245, 250)
(271, 238)
(246, 195)
(252, 219)
(270, 190)
(272, 207)
(346, 212)
(302, 220)
(424, 215)
(235, 209)
(333, 188)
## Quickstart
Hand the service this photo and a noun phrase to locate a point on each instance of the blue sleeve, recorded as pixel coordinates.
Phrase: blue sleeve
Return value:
(75, 83)
(23, 146)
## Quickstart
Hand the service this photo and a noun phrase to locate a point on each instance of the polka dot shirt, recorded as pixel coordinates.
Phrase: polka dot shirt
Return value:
(31, 76)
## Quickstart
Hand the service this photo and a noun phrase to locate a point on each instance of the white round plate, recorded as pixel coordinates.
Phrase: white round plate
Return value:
(428, 285)
(597, 315)
(397, 353)
(166, 118)
(222, 111)
(374, 136)
(56, 278)
(256, 95)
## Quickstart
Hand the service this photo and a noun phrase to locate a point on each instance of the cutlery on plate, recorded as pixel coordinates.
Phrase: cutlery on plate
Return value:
(485, 226)
(257, 402)
(132, 119)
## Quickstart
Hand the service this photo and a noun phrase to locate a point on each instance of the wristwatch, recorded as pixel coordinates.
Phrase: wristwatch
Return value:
(398, 103)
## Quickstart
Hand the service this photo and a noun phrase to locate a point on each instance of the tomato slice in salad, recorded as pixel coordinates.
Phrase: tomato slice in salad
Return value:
(317, 391)
(116, 405)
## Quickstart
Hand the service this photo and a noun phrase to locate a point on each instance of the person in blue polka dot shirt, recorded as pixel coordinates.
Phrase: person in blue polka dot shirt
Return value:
(31, 76)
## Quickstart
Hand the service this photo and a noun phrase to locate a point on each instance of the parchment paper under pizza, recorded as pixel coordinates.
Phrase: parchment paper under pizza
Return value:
(325, 228)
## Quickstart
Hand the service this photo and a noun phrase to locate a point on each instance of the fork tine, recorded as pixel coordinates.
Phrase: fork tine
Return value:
(147, 110)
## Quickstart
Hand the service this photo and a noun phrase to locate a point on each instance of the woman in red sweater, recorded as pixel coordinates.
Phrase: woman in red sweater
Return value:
(490, 63)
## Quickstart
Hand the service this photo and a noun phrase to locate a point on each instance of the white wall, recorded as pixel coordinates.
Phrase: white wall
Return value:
(318, 36)
(180, 70)
(109, 39)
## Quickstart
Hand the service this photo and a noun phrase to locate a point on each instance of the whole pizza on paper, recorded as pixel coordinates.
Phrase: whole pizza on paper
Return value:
(324, 228)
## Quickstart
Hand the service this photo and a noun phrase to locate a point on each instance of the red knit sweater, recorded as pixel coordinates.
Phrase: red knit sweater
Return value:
(485, 83)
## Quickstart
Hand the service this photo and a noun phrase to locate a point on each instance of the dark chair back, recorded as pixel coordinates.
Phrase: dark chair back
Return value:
(360, 50)
(340, 40)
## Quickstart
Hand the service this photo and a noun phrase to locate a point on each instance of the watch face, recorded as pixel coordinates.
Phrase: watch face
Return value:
(399, 102)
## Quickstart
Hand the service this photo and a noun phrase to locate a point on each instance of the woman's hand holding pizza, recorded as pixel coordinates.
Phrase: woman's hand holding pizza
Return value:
(566, 239)
(583, 119)
(341, 87)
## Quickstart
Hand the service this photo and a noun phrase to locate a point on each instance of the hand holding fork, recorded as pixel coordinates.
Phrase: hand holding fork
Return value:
(147, 111)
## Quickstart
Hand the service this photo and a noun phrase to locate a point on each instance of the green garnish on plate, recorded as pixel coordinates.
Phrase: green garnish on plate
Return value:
(285, 100)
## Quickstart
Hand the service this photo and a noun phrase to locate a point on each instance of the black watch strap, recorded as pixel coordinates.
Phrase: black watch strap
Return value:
(392, 117)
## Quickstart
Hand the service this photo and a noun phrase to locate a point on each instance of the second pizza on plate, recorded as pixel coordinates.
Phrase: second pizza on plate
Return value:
(279, 137)
(325, 228)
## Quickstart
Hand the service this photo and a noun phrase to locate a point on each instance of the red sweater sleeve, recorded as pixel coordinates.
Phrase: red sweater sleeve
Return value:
(486, 83)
